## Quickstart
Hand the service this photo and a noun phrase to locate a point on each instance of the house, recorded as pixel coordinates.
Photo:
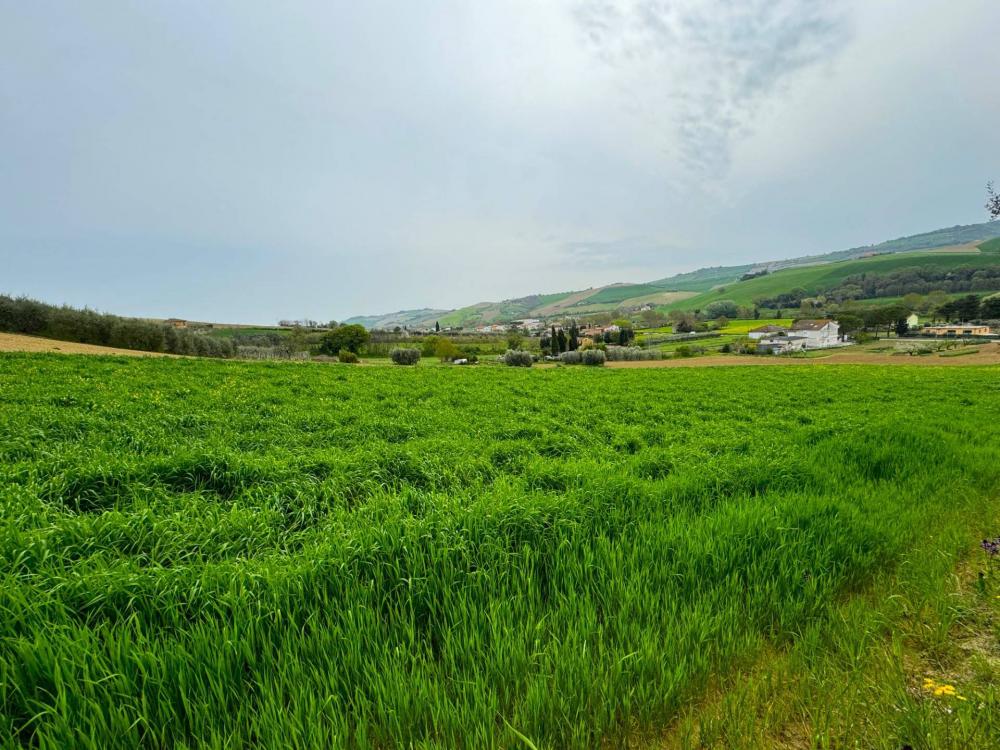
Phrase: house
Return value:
(913, 321)
(768, 331)
(530, 324)
(968, 329)
(782, 344)
(176, 323)
(817, 333)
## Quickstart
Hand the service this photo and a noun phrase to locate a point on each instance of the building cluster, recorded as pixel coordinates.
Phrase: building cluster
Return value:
(802, 335)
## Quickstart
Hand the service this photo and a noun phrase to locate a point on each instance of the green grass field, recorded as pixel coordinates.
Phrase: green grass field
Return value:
(223, 554)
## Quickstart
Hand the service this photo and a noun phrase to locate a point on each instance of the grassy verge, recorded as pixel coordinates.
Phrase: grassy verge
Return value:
(913, 662)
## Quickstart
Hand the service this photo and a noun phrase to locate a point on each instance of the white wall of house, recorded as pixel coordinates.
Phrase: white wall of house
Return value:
(825, 336)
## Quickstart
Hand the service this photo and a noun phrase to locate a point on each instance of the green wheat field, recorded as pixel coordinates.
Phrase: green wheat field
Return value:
(226, 555)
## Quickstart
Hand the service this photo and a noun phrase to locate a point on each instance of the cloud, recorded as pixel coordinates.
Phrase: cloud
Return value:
(701, 71)
(626, 252)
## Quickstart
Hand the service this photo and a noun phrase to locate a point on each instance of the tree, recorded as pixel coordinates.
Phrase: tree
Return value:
(913, 301)
(652, 318)
(991, 307)
(351, 337)
(445, 350)
(934, 301)
(721, 307)
(685, 324)
(574, 337)
(967, 307)
(992, 201)
(849, 324)
(545, 343)
(562, 341)
(514, 340)
(297, 340)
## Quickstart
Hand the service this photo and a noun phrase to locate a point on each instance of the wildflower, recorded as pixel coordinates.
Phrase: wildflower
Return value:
(940, 689)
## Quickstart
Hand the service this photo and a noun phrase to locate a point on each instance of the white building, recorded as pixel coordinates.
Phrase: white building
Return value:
(817, 333)
(766, 332)
(782, 344)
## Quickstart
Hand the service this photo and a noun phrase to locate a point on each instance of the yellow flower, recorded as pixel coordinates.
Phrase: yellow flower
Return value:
(939, 689)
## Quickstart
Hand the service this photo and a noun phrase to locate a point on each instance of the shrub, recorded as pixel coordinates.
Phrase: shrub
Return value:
(594, 358)
(572, 358)
(684, 351)
(405, 356)
(351, 338)
(515, 358)
(347, 357)
(630, 354)
(428, 345)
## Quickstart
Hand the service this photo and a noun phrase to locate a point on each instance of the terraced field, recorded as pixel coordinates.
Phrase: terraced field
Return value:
(223, 554)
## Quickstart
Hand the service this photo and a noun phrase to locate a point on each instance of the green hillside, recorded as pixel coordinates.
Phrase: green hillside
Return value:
(992, 246)
(703, 279)
(823, 276)
(950, 247)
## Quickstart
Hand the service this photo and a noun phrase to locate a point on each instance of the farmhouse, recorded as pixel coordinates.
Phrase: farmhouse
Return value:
(176, 322)
(765, 332)
(530, 324)
(782, 344)
(958, 330)
(818, 333)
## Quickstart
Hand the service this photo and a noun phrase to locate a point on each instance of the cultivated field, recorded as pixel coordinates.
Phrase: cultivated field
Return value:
(13, 342)
(221, 554)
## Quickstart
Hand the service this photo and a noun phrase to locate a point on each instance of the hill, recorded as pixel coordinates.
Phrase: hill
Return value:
(816, 278)
(950, 247)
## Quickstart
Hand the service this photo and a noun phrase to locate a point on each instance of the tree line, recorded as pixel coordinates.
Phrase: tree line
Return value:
(33, 318)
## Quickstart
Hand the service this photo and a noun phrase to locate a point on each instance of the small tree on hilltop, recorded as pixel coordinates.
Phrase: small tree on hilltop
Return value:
(992, 201)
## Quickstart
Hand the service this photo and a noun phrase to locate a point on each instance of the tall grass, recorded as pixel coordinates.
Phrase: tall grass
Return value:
(223, 554)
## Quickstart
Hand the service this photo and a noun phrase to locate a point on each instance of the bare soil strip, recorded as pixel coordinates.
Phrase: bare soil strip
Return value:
(12, 342)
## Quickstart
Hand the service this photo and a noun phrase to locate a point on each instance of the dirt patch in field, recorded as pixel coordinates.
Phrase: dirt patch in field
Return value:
(12, 342)
(988, 354)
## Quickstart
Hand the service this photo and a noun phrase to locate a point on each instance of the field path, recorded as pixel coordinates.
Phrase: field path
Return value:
(13, 342)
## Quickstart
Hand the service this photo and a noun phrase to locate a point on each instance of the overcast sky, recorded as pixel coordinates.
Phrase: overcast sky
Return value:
(245, 160)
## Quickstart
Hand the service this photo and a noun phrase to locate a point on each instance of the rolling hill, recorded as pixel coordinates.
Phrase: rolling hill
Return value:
(951, 247)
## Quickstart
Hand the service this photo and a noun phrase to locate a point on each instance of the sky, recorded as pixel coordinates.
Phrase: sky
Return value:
(246, 161)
